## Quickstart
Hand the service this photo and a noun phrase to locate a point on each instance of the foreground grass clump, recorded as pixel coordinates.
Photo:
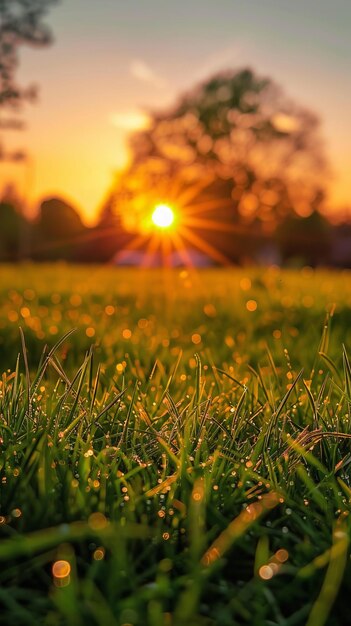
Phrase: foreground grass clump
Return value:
(169, 486)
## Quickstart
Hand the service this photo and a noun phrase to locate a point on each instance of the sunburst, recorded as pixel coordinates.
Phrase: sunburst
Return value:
(170, 221)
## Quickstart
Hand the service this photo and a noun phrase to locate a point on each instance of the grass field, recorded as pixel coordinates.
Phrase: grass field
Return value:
(175, 447)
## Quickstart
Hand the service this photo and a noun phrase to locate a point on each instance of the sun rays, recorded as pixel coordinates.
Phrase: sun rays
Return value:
(177, 222)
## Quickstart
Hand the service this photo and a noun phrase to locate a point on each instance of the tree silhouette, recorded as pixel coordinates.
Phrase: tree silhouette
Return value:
(15, 229)
(306, 240)
(20, 24)
(58, 232)
(234, 150)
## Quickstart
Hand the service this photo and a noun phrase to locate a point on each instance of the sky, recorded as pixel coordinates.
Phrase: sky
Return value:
(114, 59)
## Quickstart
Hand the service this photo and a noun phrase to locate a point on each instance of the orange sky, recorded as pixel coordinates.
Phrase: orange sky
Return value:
(109, 61)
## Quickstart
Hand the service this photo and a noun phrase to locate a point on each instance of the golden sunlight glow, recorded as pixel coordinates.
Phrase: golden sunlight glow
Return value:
(163, 216)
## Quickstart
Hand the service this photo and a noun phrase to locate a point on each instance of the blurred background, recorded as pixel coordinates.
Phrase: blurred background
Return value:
(161, 133)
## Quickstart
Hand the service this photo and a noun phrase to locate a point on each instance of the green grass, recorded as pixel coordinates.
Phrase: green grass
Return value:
(187, 457)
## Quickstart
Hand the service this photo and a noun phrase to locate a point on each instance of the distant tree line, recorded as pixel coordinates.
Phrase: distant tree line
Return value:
(58, 233)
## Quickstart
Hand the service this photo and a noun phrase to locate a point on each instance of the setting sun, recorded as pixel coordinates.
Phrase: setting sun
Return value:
(163, 216)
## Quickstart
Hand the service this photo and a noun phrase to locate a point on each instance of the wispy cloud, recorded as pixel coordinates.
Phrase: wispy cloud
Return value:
(142, 71)
(130, 120)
